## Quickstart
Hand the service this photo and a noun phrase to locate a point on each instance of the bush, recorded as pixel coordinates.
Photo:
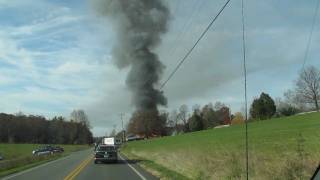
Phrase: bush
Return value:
(238, 118)
(288, 110)
(263, 107)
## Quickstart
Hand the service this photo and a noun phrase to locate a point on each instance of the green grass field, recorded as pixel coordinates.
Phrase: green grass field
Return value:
(13, 151)
(19, 156)
(280, 148)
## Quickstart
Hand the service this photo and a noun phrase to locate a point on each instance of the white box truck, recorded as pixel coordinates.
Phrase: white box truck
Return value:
(110, 141)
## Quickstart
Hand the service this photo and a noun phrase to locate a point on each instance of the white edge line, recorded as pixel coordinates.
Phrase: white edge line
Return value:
(28, 170)
(134, 169)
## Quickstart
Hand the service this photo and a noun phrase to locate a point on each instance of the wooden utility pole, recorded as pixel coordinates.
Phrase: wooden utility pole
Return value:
(123, 132)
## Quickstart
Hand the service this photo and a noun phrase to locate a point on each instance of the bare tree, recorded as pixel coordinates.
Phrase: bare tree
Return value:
(147, 123)
(81, 117)
(183, 112)
(292, 99)
(196, 109)
(173, 119)
(113, 132)
(218, 105)
(308, 86)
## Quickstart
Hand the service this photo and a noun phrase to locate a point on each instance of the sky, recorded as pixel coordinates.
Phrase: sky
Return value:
(55, 56)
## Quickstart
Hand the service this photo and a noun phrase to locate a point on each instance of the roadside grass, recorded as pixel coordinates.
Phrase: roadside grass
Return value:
(19, 157)
(157, 169)
(29, 165)
(14, 151)
(280, 148)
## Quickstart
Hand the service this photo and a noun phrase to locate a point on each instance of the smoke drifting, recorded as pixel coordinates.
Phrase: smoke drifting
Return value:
(139, 25)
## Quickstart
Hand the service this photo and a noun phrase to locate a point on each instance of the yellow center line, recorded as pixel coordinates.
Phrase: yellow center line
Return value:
(78, 169)
(81, 168)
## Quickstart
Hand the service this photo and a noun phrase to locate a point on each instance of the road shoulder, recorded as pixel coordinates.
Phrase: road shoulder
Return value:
(27, 168)
(136, 164)
(153, 169)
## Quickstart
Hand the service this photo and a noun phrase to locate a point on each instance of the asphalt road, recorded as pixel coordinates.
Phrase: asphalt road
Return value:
(80, 166)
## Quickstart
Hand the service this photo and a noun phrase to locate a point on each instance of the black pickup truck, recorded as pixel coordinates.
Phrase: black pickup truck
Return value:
(105, 153)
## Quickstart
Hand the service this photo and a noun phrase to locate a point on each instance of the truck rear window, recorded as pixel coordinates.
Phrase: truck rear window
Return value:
(106, 148)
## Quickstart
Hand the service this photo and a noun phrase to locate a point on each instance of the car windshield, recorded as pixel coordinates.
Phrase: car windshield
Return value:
(189, 89)
(106, 148)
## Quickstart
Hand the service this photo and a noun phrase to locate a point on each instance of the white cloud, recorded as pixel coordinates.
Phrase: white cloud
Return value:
(47, 24)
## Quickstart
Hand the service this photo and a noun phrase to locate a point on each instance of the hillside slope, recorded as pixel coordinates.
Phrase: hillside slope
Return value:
(279, 148)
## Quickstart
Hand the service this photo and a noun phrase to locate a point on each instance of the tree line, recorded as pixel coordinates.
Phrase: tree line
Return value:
(162, 123)
(304, 96)
(20, 128)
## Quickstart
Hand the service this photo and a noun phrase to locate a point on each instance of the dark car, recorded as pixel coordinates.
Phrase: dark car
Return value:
(133, 137)
(43, 151)
(105, 153)
(57, 149)
(47, 150)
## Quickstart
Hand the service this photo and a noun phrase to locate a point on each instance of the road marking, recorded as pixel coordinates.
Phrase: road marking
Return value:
(81, 168)
(134, 169)
(78, 169)
(31, 169)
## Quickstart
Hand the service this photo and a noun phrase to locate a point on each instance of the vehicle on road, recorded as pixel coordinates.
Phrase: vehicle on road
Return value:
(112, 141)
(106, 153)
(108, 141)
(96, 145)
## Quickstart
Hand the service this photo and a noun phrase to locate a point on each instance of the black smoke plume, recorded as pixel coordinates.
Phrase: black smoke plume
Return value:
(139, 25)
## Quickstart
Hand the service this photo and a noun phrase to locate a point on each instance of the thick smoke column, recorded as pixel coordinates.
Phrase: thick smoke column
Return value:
(139, 25)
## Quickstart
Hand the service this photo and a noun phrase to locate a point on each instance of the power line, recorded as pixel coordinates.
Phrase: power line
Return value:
(196, 43)
(245, 87)
(187, 23)
(310, 35)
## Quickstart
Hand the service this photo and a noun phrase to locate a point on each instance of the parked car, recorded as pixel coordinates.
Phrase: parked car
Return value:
(58, 149)
(1, 157)
(47, 150)
(133, 137)
(106, 153)
(42, 151)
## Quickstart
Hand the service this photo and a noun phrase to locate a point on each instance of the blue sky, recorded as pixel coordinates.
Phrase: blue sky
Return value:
(55, 56)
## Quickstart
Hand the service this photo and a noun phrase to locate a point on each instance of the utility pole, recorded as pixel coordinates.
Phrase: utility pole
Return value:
(123, 132)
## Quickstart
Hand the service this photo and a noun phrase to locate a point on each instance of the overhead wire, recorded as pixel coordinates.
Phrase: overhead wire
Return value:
(177, 6)
(310, 34)
(184, 27)
(195, 44)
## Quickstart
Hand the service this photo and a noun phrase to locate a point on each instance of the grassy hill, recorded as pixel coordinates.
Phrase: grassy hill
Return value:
(280, 148)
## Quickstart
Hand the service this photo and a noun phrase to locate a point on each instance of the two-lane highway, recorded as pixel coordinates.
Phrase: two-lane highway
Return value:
(120, 170)
(80, 166)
